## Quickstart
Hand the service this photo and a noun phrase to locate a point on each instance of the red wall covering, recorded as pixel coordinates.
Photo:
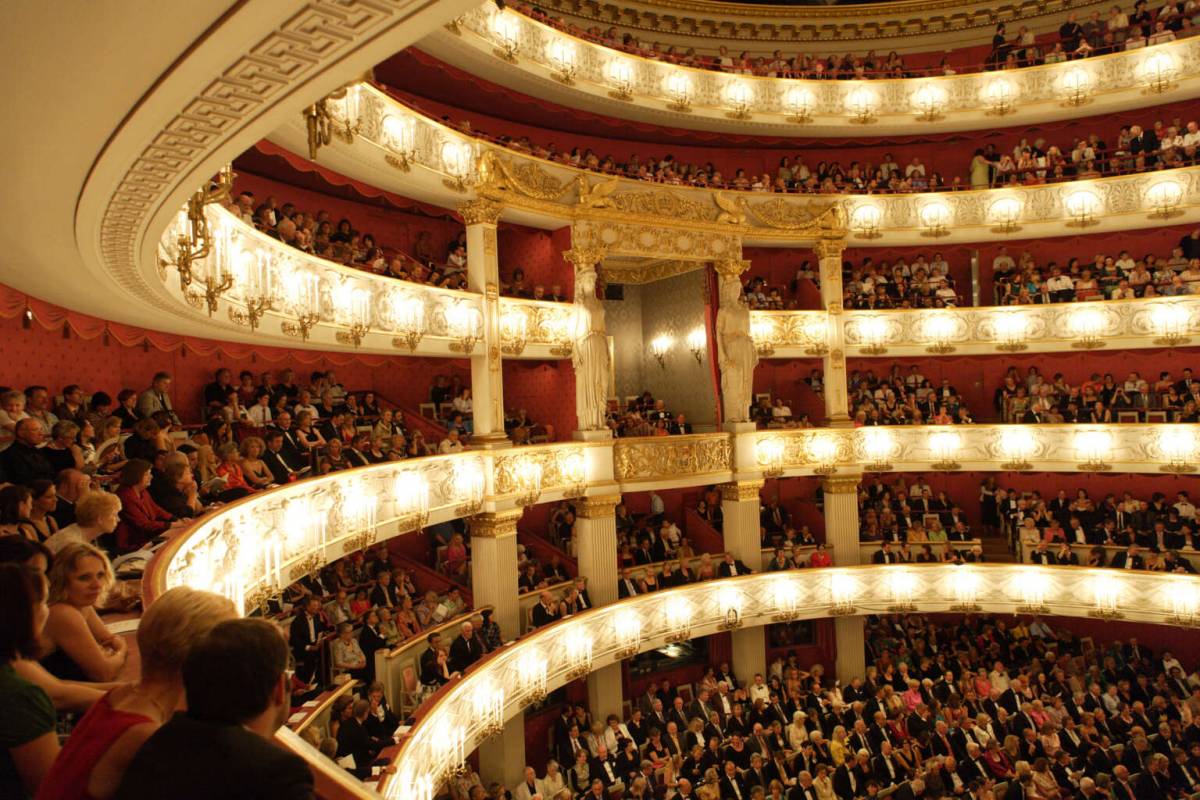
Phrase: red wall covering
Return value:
(545, 389)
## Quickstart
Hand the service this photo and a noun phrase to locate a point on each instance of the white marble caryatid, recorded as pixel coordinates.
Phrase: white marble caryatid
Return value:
(736, 353)
(590, 354)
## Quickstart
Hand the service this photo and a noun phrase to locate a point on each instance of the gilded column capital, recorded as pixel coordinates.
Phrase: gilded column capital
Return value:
(496, 524)
(481, 211)
(731, 267)
(585, 257)
(597, 507)
(741, 491)
(841, 484)
(829, 248)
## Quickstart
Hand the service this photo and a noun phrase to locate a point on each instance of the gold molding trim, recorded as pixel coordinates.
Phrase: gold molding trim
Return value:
(496, 524)
(741, 491)
(481, 211)
(597, 506)
(841, 484)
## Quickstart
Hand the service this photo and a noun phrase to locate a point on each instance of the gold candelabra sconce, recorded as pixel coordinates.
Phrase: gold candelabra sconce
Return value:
(354, 334)
(408, 340)
(965, 607)
(1094, 465)
(842, 608)
(947, 466)
(195, 241)
(322, 125)
(878, 466)
(253, 312)
(940, 348)
(464, 344)
(1033, 608)
(309, 566)
(1106, 613)
(731, 620)
(301, 326)
(1016, 466)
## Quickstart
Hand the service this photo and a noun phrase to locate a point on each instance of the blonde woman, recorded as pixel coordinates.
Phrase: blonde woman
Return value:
(837, 745)
(254, 469)
(83, 648)
(93, 761)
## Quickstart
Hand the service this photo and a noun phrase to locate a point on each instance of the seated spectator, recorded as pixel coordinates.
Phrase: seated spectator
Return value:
(93, 762)
(96, 515)
(81, 646)
(347, 655)
(142, 519)
(16, 508)
(237, 696)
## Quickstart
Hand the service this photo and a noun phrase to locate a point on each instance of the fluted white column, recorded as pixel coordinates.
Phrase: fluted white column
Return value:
(494, 567)
(483, 276)
(740, 508)
(841, 535)
(596, 545)
(829, 255)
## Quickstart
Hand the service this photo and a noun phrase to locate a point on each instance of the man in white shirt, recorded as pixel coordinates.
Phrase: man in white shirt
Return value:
(779, 410)
(916, 168)
(1003, 261)
(451, 443)
(1183, 505)
(889, 167)
(759, 689)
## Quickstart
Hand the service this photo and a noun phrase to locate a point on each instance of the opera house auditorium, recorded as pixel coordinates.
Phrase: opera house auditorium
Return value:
(672, 399)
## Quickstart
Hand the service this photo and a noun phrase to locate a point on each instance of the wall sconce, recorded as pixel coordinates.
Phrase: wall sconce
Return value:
(628, 630)
(679, 91)
(696, 340)
(507, 30)
(823, 451)
(416, 787)
(1093, 448)
(762, 331)
(400, 137)
(1012, 329)
(528, 475)
(935, 217)
(1082, 206)
(964, 583)
(902, 586)
(458, 159)
(563, 55)
(302, 301)
(799, 102)
(463, 323)
(254, 280)
(1076, 86)
(945, 446)
(659, 346)
(786, 595)
(468, 483)
(768, 452)
(872, 331)
(729, 601)
(574, 471)
(1178, 446)
(352, 308)
(334, 115)
(843, 591)
(929, 101)
(354, 512)
(1017, 444)
(1164, 197)
(531, 676)
(410, 501)
(864, 221)
(1171, 321)
(578, 653)
(740, 98)
(620, 75)
(1182, 596)
(815, 331)
(450, 746)
(1158, 72)
(878, 445)
(514, 327)
(1004, 214)
(1087, 325)
(939, 330)
(406, 313)
(1000, 95)
(1031, 586)
(488, 704)
(678, 614)
(1106, 594)
(861, 103)
(558, 328)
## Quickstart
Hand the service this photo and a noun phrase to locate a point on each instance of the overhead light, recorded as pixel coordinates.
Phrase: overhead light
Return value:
(678, 614)
(799, 102)
(620, 76)
(999, 96)
(1182, 596)
(1004, 213)
(578, 648)
(740, 97)
(679, 91)
(785, 593)
(627, 628)
(1158, 71)
(531, 675)
(1076, 86)
(964, 586)
(1032, 586)
(929, 101)
(406, 316)
(1164, 196)
(1082, 206)
(864, 221)
(464, 324)
(861, 104)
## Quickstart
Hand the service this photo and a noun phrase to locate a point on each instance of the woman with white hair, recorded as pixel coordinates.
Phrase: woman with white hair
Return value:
(96, 514)
(93, 761)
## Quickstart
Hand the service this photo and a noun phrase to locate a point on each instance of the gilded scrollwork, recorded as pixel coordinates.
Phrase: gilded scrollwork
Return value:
(500, 173)
(663, 203)
(655, 241)
(672, 457)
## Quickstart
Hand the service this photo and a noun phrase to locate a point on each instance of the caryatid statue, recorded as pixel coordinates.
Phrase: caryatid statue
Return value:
(736, 354)
(590, 354)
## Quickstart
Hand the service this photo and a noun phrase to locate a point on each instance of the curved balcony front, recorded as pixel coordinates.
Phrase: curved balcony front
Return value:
(529, 56)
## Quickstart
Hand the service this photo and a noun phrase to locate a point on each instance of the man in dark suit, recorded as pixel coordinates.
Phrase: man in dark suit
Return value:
(465, 650)
(604, 767)
(308, 628)
(545, 611)
(732, 785)
(851, 778)
(678, 714)
(627, 586)
(774, 518)
(24, 461)
(292, 452)
(804, 788)
(1144, 143)
(354, 741)
(1129, 558)
(731, 567)
(281, 469)
(1122, 786)
(884, 555)
(886, 770)
(222, 746)
(583, 601)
